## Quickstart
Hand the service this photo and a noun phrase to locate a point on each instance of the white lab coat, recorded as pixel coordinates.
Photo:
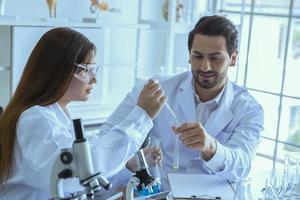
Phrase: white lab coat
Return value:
(236, 124)
(42, 131)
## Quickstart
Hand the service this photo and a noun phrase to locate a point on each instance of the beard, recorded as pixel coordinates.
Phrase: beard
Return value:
(213, 81)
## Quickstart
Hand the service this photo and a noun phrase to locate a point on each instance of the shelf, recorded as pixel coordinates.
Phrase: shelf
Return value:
(121, 25)
(177, 28)
(4, 68)
(106, 24)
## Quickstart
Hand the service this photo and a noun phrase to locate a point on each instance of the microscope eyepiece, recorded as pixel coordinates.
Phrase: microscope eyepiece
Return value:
(78, 129)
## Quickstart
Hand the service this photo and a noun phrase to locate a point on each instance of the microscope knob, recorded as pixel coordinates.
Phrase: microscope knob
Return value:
(64, 174)
(66, 157)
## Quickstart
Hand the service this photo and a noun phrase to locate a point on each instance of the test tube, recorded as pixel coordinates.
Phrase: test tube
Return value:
(176, 153)
(176, 143)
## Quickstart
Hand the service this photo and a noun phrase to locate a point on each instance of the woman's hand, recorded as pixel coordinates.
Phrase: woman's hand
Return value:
(153, 156)
(152, 98)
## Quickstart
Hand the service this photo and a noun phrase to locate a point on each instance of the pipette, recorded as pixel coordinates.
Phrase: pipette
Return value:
(176, 143)
(172, 113)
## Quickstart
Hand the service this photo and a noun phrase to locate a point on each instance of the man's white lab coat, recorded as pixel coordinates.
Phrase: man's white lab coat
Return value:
(236, 124)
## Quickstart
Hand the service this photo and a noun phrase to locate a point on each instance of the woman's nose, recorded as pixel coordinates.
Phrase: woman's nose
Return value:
(93, 79)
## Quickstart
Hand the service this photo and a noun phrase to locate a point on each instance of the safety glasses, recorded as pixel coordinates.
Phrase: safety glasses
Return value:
(85, 72)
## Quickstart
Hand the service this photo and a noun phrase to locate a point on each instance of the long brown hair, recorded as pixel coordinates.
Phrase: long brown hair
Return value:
(45, 78)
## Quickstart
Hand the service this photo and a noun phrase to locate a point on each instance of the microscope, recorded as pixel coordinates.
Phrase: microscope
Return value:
(141, 182)
(76, 162)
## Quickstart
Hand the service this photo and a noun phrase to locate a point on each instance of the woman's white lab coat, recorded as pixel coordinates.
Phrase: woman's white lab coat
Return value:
(42, 131)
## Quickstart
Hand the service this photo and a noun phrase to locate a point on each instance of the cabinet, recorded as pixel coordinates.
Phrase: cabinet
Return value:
(16, 46)
(115, 78)
(129, 50)
(163, 47)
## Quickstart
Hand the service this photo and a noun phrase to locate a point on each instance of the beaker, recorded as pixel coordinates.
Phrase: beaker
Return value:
(291, 174)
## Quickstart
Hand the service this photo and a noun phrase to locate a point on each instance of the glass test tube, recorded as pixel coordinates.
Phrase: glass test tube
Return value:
(176, 143)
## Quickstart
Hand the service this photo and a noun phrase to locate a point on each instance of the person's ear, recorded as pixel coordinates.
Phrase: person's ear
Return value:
(233, 58)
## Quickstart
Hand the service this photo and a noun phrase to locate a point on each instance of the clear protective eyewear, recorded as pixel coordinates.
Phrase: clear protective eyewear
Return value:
(85, 72)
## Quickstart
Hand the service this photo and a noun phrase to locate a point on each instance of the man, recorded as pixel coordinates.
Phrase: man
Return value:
(220, 122)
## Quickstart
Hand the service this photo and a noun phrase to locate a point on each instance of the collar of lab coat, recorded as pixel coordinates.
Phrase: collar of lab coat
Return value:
(218, 119)
(215, 100)
(62, 114)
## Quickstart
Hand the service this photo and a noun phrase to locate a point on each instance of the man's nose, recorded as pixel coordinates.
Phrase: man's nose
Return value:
(205, 65)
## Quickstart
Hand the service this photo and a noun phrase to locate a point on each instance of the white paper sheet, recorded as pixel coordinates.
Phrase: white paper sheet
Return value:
(186, 185)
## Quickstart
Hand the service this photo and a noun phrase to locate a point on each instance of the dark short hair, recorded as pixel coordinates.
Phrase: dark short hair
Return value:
(216, 26)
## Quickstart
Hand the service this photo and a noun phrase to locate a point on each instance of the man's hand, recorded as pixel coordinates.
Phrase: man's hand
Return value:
(152, 98)
(194, 136)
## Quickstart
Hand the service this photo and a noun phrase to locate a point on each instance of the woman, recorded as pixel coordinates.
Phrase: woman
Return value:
(36, 124)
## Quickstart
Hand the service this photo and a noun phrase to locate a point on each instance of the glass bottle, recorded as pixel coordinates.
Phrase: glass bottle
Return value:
(243, 189)
(155, 168)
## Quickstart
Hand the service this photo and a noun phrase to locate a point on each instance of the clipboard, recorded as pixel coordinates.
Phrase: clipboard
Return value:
(204, 197)
(199, 187)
